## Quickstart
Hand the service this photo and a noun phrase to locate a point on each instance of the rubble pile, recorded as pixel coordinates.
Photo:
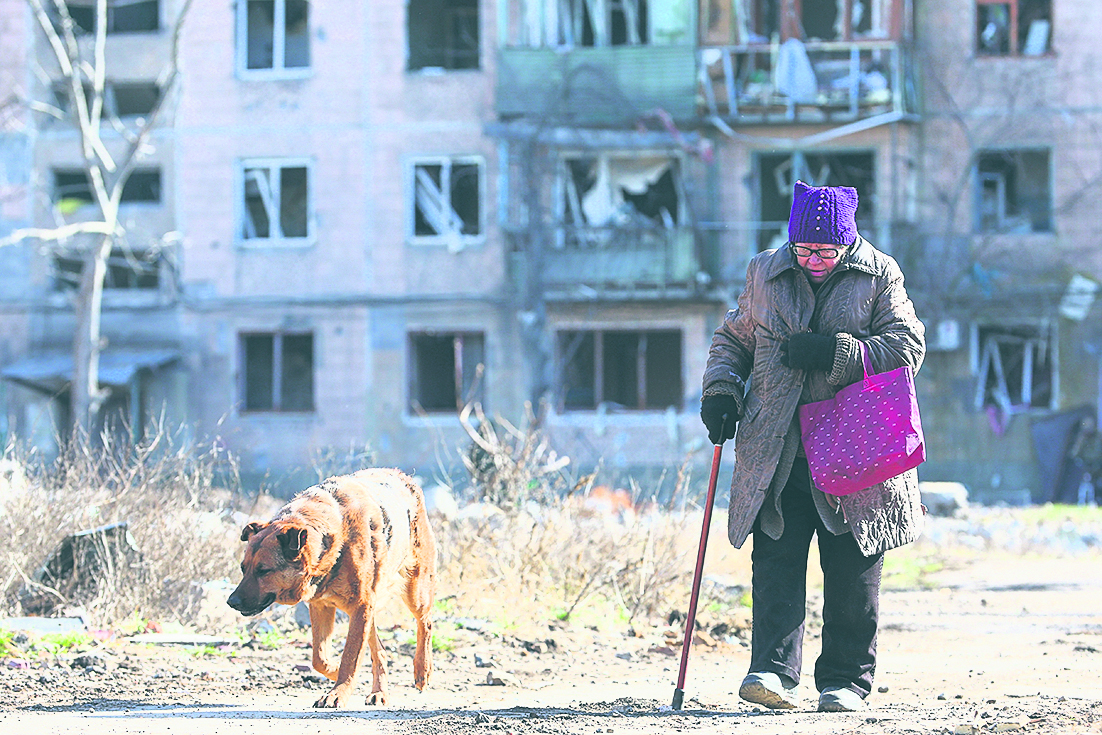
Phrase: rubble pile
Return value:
(1042, 529)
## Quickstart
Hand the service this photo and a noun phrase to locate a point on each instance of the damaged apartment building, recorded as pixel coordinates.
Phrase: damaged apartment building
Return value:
(357, 220)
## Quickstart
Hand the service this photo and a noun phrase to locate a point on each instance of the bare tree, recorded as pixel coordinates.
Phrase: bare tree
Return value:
(81, 67)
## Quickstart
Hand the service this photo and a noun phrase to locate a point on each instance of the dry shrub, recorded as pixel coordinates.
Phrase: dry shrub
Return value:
(539, 542)
(561, 560)
(510, 466)
(175, 504)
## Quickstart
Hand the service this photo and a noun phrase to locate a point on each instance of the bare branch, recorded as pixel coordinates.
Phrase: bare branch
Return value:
(59, 234)
(56, 44)
(67, 53)
(99, 64)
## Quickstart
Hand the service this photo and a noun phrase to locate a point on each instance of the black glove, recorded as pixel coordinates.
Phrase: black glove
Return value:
(720, 414)
(808, 351)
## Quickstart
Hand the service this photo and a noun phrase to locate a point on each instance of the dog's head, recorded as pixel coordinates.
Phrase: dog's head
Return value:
(277, 565)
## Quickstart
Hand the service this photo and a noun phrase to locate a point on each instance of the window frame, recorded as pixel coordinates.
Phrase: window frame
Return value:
(159, 186)
(641, 377)
(454, 241)
(982, 361)
(979, 178)
(477, 380)
(1014, 50)
(111, 31)
(110, 98)
(273, 164)
(279, 45)
(564, 198)
(277, 372)
(90, 199)
(450, 15)
(572, 28)
(118, 262)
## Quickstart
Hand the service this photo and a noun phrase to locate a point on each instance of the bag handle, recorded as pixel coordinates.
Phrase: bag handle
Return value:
(866, 366)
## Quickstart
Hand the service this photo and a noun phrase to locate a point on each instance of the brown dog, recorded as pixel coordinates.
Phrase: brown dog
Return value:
(341, 545)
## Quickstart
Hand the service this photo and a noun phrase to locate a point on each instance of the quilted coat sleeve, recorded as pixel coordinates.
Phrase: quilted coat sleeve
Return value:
(896, 336)
(731, 355)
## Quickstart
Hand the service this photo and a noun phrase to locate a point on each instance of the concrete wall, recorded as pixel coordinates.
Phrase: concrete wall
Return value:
(360, 120)
(974, 103)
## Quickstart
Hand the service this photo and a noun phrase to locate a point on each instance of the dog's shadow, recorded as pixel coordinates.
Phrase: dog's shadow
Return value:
(107, 709)
(443, 720)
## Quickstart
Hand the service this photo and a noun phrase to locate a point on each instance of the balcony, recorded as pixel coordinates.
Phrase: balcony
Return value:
(596, 86)
(798, 82)
(587, 262)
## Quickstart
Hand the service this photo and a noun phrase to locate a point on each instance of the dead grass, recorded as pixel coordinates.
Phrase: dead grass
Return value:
(547, 554)
(539, 552)
(176, 511)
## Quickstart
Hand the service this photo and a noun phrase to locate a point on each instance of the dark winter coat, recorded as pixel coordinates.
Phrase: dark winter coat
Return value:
(862, 301)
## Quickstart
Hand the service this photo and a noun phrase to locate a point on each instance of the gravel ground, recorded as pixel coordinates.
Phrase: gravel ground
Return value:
(1002, 640)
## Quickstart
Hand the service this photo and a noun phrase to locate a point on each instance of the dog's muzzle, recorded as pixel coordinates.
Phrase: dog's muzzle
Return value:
(244, 608)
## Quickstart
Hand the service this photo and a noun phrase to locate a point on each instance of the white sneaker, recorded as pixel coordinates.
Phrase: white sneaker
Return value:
(769, 690)
(837, 699)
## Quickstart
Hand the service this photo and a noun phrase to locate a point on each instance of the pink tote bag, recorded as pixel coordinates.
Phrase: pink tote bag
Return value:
(868, 433)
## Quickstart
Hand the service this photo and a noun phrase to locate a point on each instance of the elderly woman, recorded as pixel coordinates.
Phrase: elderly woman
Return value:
(807, 312)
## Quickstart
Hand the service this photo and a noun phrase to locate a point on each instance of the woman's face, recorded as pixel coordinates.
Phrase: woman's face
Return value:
(816, 259)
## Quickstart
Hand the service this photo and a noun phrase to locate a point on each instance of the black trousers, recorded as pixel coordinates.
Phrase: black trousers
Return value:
(851, 596)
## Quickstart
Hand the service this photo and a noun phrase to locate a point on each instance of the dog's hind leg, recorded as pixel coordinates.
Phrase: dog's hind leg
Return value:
(321, 630)
(379, 693)
(420, 590)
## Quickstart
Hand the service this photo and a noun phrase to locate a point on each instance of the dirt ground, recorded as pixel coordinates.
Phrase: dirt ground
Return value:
(995, 642)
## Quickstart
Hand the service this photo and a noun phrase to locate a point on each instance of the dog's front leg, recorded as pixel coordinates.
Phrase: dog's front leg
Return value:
(321, 629)
(341, 692)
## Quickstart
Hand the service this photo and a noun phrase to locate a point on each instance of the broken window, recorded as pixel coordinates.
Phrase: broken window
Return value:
(628, 370)
(801, 52)
(1015, 368)
(443, 34)
(777, 173)
(123, 16)
(72, 188)
(446, 370)
(126, 270)
(1013, 27)
(1014, 192)
(603, 22)
(760, 21)
(276, 200)
(598, 23)
(277, 371)
(274, 34)
(447, 198)
(598, 193)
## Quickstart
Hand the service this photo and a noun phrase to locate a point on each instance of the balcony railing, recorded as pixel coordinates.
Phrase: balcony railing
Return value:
(584, 260)
(798, 82)
(595, 86)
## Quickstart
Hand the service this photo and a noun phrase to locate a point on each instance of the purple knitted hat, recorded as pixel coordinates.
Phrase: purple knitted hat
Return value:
(823, 214)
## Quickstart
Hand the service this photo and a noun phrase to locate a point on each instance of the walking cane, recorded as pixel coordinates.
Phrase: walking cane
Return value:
(690, 619)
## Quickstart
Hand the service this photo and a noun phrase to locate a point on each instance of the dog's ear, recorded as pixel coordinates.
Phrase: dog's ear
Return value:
(250, 529)
(292, 539)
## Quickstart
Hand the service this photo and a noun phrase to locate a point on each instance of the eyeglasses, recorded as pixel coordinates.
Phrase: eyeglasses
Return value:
(823, 253)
